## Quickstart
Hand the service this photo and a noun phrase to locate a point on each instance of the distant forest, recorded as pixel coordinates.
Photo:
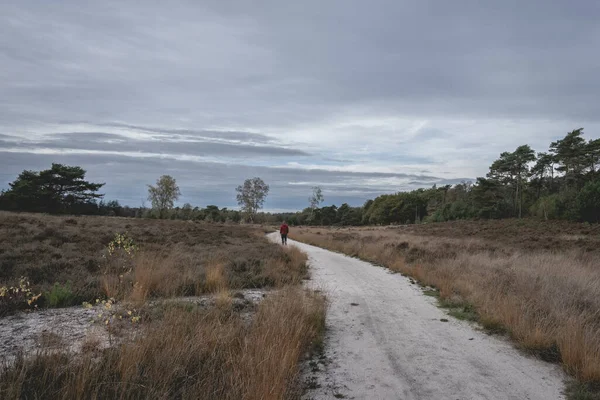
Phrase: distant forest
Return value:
(561, 183)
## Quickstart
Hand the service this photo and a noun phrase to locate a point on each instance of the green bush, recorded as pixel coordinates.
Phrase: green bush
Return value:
(437, 216)
(567, 205)
(588, 202)
(546, 207)
(60, 296)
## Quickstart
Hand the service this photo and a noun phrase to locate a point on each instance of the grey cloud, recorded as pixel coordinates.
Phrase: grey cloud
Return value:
(437, 57)
(326, 174)
(194, 146)
(250, 137)
(438, 181)
(278, 64)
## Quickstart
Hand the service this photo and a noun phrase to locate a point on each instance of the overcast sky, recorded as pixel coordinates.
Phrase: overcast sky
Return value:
(359, 97)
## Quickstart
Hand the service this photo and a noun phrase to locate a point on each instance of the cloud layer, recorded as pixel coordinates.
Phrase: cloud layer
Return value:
(362, 98)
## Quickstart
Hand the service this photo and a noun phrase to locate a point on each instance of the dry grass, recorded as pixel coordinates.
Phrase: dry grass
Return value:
(547, 300)
(159, 276)
(526, 234)
(189, 354)
(281, 271)
(175, 258)
(215, 277)
(177, 350)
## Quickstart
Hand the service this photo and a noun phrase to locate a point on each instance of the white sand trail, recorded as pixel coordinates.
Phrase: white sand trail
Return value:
(386, 340)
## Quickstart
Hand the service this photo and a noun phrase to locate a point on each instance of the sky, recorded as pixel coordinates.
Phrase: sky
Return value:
(360, 98)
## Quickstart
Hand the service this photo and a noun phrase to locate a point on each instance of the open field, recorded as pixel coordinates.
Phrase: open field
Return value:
(507, 278)
(170, 258)
(526, 234)
(159, 348)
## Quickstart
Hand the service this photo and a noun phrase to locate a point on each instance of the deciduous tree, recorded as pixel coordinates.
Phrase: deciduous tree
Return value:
(163, 195)
(251, 196)
(316, 198)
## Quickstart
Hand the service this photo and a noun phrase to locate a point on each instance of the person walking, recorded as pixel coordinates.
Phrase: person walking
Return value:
(284, 229)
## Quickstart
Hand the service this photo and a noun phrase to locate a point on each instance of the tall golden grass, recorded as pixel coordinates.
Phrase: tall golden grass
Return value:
(215, 277)
(548, 301)
(188, 354)
(167, 274)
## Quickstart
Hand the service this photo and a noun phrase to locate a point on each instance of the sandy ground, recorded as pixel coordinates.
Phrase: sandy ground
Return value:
(46, 329)
(386, 340)
(69, 328)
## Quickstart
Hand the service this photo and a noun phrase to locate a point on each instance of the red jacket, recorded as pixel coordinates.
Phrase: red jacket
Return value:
(284, 229)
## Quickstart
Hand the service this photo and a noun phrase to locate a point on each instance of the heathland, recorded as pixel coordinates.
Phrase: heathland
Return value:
(127, 269)
(535, 281)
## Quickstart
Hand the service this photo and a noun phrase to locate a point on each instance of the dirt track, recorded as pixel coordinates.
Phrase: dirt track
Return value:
(386, 340)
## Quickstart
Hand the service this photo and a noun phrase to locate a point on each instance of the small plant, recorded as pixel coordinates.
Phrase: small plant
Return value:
(110, 315)
(119, 254)
(122, 242)
(61, 295)
(16, 298)
(118, 261)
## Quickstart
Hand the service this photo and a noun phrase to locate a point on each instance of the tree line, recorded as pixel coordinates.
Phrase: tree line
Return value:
(62, 189)
(560, 183)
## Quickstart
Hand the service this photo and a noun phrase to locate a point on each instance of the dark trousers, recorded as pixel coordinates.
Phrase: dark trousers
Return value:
(284, 238)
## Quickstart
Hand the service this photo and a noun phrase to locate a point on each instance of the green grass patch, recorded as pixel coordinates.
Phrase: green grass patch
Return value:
(432, 293)
(464, 313)
(493, 327)
(60, 296)
(459, 309)
(546, 353)
(583, 391)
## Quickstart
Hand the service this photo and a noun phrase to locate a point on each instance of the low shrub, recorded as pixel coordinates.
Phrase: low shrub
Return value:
(60, 296)
(18, 297)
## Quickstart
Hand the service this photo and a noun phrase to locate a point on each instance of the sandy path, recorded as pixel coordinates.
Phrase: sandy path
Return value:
(392, 345)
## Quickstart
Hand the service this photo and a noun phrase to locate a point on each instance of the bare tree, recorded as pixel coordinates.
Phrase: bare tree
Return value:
(251, 196)
(163, 195)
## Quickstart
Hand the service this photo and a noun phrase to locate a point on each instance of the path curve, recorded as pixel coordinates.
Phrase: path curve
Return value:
(386, 340)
